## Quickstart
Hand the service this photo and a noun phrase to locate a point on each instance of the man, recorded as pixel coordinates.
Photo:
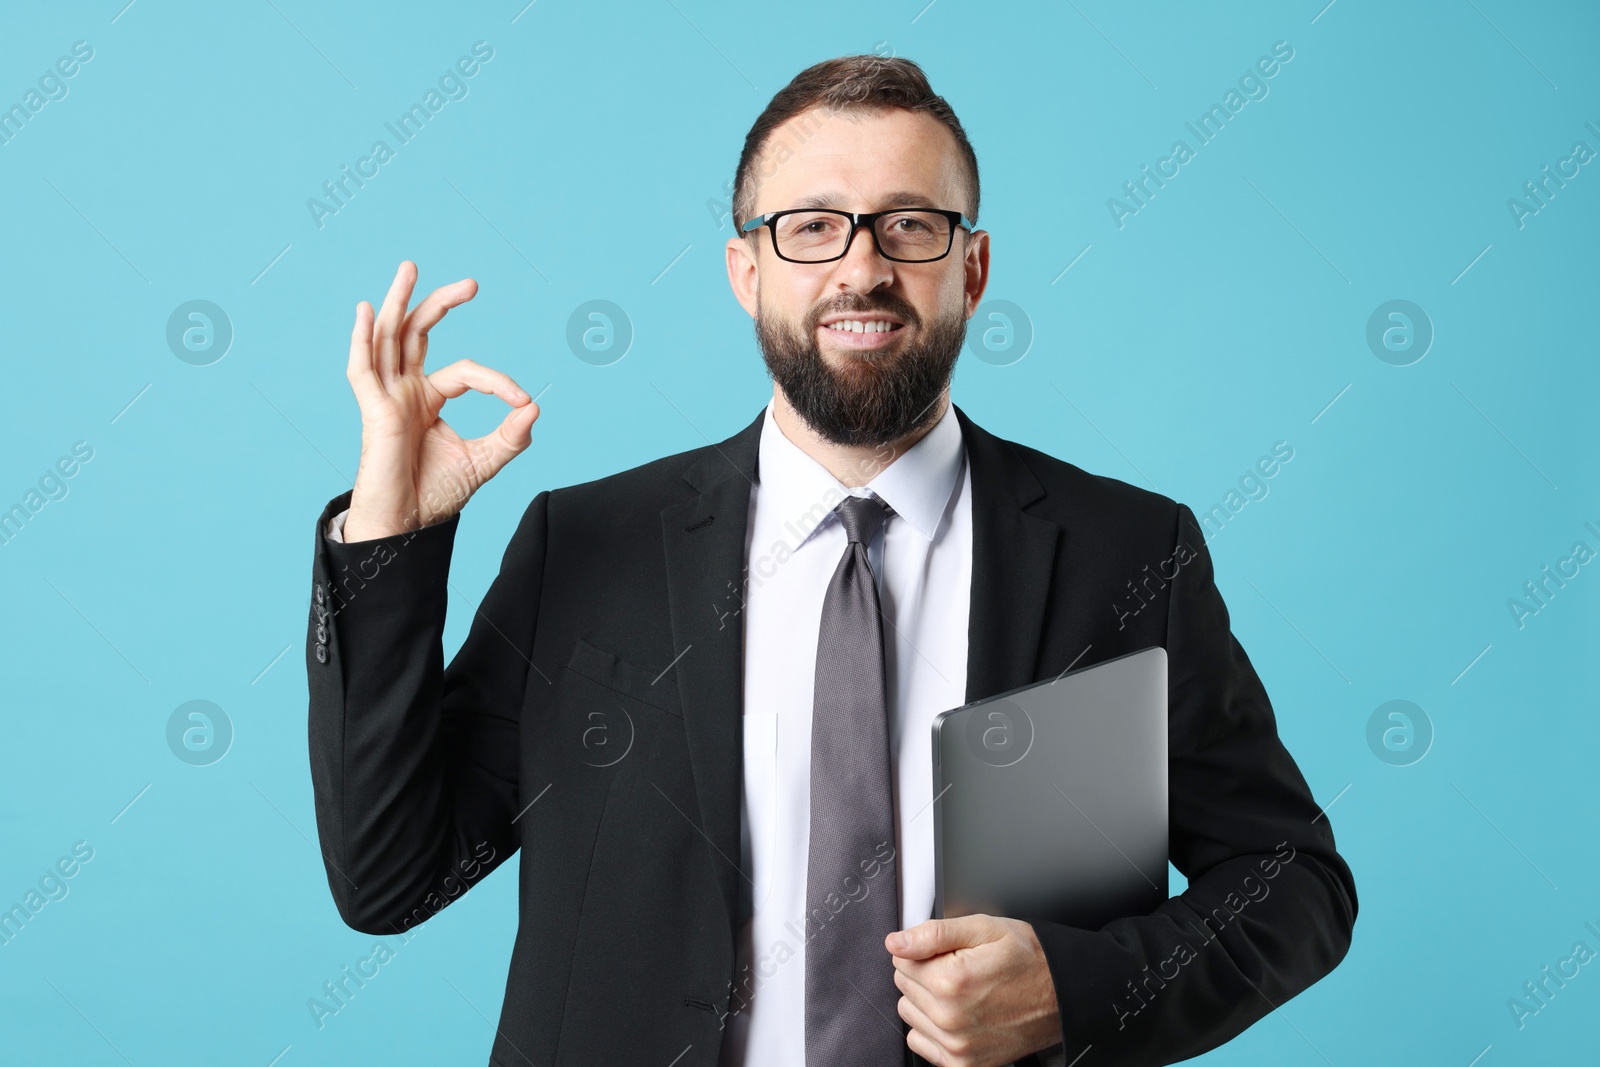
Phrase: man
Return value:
(697, 696)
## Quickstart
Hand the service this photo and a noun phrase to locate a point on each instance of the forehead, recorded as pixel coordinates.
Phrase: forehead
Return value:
(859, 161)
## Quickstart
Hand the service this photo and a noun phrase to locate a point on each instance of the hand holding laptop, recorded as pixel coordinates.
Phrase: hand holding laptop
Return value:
(978, 988)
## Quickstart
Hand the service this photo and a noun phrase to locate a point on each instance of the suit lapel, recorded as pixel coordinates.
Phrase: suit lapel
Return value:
(1013, 560)
(1013, 556)
(704, 541)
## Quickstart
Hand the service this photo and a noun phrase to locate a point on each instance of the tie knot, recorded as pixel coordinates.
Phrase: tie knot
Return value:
(861, 517)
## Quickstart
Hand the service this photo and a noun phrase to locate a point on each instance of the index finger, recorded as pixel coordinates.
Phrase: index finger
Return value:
(426, 315)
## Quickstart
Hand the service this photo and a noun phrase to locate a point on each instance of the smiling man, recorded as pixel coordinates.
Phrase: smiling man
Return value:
(697, 697)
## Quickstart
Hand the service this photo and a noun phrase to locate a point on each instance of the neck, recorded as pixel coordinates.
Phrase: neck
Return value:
(852, 465)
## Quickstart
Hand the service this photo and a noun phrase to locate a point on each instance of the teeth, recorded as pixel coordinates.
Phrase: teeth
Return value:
(860, 326)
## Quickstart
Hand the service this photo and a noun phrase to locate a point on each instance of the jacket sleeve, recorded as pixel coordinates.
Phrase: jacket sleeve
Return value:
(414, 764)
(1270, 904)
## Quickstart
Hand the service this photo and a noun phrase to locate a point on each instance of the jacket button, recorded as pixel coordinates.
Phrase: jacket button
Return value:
(322, 653)
(322, 634)
(321, 596)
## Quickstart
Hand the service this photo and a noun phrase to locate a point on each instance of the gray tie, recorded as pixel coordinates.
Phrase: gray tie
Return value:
(852, 877)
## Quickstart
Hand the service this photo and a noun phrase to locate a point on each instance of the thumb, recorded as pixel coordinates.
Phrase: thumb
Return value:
(938, 936)
(507, 440)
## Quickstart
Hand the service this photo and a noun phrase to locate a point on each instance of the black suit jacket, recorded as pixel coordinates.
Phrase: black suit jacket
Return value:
(613, 626)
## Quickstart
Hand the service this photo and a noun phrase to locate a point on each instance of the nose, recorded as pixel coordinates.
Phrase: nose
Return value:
(862, 267)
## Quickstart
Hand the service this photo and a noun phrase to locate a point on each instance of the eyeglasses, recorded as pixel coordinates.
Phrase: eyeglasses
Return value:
(820, 235)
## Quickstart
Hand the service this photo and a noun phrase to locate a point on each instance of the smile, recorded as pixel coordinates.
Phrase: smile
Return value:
(862, 333)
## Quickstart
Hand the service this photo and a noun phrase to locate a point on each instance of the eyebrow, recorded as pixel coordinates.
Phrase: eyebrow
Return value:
(902, 198)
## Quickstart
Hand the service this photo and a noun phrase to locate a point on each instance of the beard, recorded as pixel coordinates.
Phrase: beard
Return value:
(875, 395)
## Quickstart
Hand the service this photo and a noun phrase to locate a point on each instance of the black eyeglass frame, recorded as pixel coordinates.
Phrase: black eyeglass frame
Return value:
(859, 219)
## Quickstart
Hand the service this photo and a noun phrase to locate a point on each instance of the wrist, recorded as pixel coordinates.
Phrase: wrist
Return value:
(360, 525)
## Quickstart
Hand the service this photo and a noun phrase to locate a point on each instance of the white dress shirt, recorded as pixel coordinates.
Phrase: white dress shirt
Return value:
(922, 563)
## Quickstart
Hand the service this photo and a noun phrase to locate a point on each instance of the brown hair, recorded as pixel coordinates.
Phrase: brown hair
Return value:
(848, 85)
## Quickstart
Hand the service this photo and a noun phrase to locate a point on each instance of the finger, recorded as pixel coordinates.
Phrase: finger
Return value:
(926, 1038)
(945, 979)
(464, 374)
(916, 985)
(494, 450)
(390, 318)
(363, 379)
(930, 1050)
(925, 1048)
(927, 938)
(425, 316)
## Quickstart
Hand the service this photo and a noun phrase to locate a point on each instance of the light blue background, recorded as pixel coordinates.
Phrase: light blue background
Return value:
(1223, 317)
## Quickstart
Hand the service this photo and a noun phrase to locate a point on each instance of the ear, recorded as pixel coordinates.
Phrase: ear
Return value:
(744, 275)
(975, 267)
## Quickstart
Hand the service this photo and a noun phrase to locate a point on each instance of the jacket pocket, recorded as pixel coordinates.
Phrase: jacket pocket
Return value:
(658, 689)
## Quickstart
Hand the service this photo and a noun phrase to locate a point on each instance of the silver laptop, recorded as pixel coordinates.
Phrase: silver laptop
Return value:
(1050, 801)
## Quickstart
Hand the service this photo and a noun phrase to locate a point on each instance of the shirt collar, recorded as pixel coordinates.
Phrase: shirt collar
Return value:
(917, 484)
